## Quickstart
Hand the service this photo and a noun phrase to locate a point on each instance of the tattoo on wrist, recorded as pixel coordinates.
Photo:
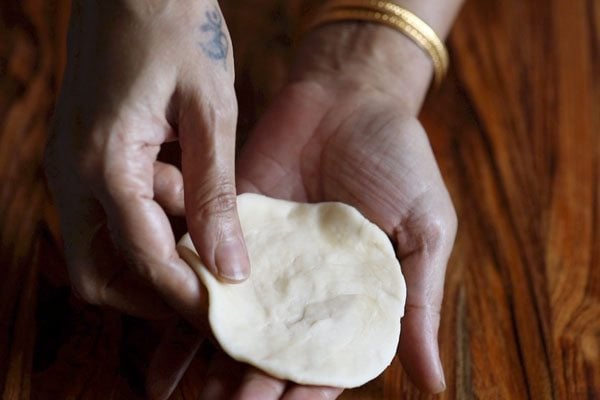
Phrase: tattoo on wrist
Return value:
(217, 45)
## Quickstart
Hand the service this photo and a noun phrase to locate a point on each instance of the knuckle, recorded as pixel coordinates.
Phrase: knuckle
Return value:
(148, 268)
(87, 291)
(220, 203)
(256, 383)
(132, 255)
(147, 271)
(147, 259)
(439, 231)
(223, 102)
(215, 103)
(328, 393)
(223, 112)
(433, 309)
(227, 98)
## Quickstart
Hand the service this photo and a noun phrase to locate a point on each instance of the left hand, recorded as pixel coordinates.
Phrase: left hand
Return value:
(346, 131)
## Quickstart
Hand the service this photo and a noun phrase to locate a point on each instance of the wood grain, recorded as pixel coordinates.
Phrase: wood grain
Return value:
(516, 130)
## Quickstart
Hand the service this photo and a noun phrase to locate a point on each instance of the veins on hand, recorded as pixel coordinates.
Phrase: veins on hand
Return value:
(217, 45)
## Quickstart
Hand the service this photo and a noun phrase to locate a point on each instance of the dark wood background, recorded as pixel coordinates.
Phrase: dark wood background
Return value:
(515, 127)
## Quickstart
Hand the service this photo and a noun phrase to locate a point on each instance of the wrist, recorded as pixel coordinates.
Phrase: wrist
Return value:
(365, 54)
(373, 53)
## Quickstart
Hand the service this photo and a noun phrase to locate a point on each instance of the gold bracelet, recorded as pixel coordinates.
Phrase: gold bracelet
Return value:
(391, 15)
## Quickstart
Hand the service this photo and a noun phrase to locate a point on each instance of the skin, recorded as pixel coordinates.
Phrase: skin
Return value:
(344, 128)
(140, 74)
(332, 137)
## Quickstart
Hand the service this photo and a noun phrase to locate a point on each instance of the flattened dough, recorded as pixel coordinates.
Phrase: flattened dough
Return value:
(324, 300)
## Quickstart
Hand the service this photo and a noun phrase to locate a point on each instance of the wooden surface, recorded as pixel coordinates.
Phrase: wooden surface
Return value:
(516, 129)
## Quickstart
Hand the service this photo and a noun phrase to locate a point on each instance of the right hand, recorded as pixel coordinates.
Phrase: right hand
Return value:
(140, 74)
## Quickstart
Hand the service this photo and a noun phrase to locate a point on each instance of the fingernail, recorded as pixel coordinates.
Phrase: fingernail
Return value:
(442, 385)
(232, 261)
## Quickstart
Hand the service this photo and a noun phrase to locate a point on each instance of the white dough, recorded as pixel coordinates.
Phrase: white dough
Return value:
(324, 300)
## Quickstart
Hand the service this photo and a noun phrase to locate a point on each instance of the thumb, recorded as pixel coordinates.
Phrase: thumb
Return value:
(424, 248)
(207, 139)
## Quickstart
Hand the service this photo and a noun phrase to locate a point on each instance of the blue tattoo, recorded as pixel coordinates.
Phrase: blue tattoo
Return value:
(217, 46)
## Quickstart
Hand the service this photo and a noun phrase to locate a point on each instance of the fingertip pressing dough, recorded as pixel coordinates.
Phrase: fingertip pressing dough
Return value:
(324, 299)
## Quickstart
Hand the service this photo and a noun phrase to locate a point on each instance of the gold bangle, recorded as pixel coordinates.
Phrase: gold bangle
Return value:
(391, 15)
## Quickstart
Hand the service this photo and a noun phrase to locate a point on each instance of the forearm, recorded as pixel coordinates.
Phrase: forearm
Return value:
(384, 57)
(438, 14)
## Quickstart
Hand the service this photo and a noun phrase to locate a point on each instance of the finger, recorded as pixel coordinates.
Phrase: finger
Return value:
(145, 236)
(131, 295)
(168, 188)
(140, 228)
(312, 393)
(259, 386)
(223, 377)
(423, 258)
(171, 359)
(207, 137)
(97, 272)
(96, 269)
(118, 286)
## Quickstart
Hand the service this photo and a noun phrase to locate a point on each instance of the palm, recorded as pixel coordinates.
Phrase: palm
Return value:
(358, 149)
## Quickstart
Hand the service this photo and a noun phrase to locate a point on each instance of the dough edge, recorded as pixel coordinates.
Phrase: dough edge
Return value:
(188, 253)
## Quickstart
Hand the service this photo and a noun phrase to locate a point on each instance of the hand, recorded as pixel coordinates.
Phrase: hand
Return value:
(140, 74)
(346, 131)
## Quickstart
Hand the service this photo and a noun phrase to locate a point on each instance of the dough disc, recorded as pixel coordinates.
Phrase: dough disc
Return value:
(324, 300)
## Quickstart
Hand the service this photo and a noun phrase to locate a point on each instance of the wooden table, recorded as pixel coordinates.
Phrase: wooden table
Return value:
(516, 129)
